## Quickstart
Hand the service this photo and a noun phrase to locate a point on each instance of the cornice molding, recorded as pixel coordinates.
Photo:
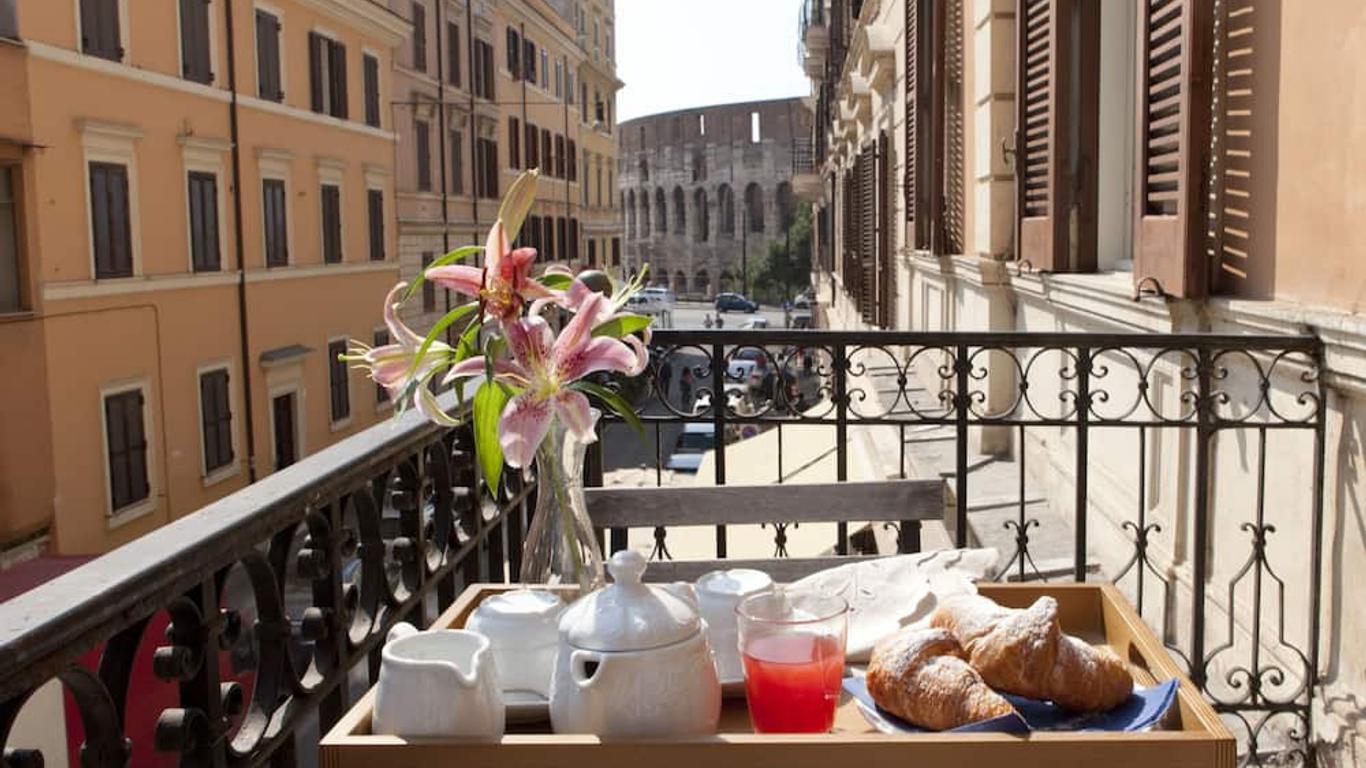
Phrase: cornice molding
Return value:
(366, 15)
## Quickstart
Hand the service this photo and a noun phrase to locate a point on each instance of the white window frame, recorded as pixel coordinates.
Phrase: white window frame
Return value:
(366, 50)
(205, 156)
(275, 164)
(214, 69)
(112, 143)
(281, 36)
(326, 61)
(232, 468)
(288, 382)
(123, 30)
(332, 171)
(115, 518)
(343, 423)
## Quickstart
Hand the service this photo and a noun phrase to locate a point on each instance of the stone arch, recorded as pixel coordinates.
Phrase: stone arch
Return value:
(725, 209)
(644, 213)
(661, 212)
(701, 283)
(680, 283)
(628, 203)
(783, 201)
(680, 212)
(701, 216)
(754, 207)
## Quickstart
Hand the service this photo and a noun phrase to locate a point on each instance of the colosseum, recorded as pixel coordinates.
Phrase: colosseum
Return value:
(680, 175)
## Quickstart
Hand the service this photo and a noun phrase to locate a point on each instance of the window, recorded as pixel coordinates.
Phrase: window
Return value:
(194, 41)
(559, 78)
(583, 101)
(269, 84)
(203, 192)
(545, 69)
(419, 37)
(283, 409)
(559, 157)
(370, 70)
(100, 34)
(424, 156)
(529, 61)
(486, 168)
(562, 237)
(453, 53)
(548, 237)
(428, 287)
(273, 216)
(327, 75)
(572, 163)
(457, 163)
(11, 296)
(338, 381)
(215, 418)
(331, 219)
(699, 165)
(533, 155)
(514, 142)
(109, 220)
(547, 156)
(754, 133)
(592, 253)
(754, 207)
(482, 81)
(374, 206)
(381, 339)
(569, 87)
(597, 106)
(514, 53)
(125, 444)
(616, 251)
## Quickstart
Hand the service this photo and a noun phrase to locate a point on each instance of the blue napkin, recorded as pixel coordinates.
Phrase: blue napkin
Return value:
(1144, 708)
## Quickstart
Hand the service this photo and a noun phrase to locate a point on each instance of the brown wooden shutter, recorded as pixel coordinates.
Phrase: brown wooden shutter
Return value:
(1174, 102)
(1241, 211)
(911, 101)
(884, 261)
(420, 37)
(375, 205)
(315, 71)
(370, 75)
(194, 41)
(514, 142)
(865, 168)
(336, 76)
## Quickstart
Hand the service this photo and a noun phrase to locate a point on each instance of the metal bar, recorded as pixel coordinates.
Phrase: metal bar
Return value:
(1316, 545)
(1259, 542)
(718, 419)
(1083, 405)
(841, 370)
(960, 405)
(1142, 533)
(1022, 532)
(1203, 435)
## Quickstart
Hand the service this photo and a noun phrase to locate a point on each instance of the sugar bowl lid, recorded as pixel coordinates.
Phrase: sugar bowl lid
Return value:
(735, 582)
(628, 615)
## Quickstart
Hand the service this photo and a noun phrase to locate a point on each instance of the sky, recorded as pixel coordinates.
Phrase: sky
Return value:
(674, 54)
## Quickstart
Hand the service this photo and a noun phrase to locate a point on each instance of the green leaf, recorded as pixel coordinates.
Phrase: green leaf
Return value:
(614, 401)
(623, 325)
(465, 347)
(459, 254)
(489, 401)
(556, 281)
(441, 325)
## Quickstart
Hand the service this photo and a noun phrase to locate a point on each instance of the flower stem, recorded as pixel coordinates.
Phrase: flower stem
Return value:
(558, 486)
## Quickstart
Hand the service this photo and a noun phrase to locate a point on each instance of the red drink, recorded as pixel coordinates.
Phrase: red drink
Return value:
(792, 682)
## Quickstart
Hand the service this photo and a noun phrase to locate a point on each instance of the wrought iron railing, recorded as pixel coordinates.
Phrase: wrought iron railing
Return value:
(275, 600)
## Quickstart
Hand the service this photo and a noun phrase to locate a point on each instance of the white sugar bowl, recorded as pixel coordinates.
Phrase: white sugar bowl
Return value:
(718, 593)
(523, 629)
(634, 661)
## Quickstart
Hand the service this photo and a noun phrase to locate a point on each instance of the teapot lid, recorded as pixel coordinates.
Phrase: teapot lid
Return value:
(628, 615)
(519, 606)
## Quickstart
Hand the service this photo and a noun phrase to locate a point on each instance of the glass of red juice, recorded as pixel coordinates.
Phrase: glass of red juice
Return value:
(792, 646)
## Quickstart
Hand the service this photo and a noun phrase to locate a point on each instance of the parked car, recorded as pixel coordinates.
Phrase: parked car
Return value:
(692, 442)
(726, 302)
(653, 300)
(753, 323)
(747, 372)
(803, 300)
(801, 321)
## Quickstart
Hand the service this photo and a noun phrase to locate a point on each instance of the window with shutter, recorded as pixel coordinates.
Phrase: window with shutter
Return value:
(559, 156)
(273, 216)
(421, 136)
(110, 232)
(336, 80)
(381, 338)
(918, 44)
(514, 53)
(338, 381)
(529, 61)
(203, 196)
(562, 237)
(514, 142)
(572, 164)
(419, 37)
(1174, 117)
(1056, 141)
(194, 41)
(486, 55)
(884, 267)
(457, 163)
(12, 260)
(428, 287)
(331, 219)
(453, 54)
(283, 419)
(374, 199)
(126, 449)
(616, 251)
(100, 34)
(370, 70)
(1242, 210)
(268, 83)
(953, 206)
(215, 415)
(865, 168)
(317, 65)
(489, 152)
(533, 154)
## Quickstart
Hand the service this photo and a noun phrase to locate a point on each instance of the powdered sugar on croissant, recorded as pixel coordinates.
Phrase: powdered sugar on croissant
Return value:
(1025, 652)
(920, 676)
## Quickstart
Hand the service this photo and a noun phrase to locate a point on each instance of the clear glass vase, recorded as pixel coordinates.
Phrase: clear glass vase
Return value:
(560, 546)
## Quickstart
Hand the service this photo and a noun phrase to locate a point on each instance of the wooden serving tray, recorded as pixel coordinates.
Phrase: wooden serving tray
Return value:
(1191, 736)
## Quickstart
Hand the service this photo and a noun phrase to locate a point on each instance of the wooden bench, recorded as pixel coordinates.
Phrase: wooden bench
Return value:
(904, 502)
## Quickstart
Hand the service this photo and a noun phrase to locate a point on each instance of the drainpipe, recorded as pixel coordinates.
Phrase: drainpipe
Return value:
(441, 152)
(243, 339)
(474, 141)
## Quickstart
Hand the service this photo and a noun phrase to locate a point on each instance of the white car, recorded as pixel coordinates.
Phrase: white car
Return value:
(754, 323)
(653, 300)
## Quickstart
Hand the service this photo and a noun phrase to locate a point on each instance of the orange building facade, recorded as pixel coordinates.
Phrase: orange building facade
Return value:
(196, 201)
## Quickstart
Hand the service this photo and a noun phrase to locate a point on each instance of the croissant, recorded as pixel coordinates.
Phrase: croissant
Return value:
(1025, 652)
(922, 677)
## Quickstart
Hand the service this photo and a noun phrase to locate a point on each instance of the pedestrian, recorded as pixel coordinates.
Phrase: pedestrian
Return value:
(719, 321)
(685, 388)
(706, 320)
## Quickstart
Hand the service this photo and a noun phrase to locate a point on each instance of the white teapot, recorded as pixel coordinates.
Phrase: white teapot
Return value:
(634, 661)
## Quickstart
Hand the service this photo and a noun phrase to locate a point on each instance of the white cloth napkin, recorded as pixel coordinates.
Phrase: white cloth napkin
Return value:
(889, 593)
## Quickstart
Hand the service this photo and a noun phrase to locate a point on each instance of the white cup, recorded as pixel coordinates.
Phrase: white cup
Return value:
(439, 683)
(718, 592)
(523, 627)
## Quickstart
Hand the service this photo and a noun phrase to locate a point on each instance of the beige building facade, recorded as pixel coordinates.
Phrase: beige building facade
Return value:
(1143, 167)
(195, 207)
(482, 91)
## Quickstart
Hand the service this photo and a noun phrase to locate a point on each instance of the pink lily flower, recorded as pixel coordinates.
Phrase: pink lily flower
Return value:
(392, 365)
(543, 368)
